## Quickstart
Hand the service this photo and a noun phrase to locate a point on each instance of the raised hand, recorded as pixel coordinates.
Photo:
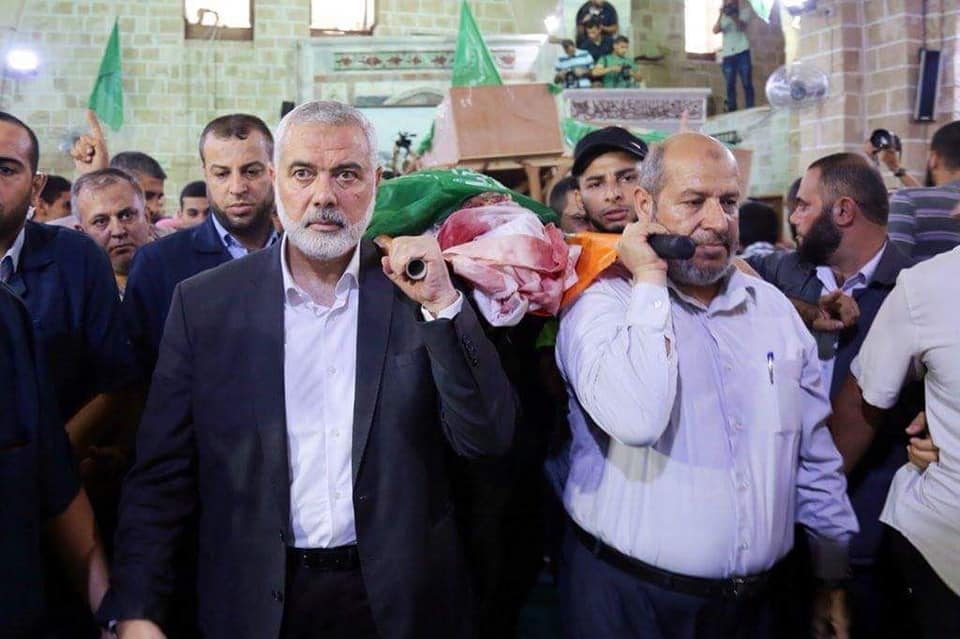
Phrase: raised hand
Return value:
(89, 152)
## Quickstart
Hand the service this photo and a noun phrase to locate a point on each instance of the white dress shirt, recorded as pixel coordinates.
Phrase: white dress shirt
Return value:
(319, 375)
(916, 330)
(861, 279)
(699, 459)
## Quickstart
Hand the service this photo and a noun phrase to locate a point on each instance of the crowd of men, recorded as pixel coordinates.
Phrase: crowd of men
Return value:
(327, 447)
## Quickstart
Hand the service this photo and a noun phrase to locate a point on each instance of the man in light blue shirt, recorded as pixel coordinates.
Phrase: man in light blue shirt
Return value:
(732, 23)
(698, 417)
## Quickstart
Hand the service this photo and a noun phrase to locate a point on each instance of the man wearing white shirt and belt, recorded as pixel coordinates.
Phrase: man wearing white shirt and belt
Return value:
(916, 330)
(697, 412)
(306, 403)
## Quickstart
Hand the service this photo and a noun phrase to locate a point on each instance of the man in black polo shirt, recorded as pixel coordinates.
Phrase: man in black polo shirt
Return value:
(596, 43)
(600, 11)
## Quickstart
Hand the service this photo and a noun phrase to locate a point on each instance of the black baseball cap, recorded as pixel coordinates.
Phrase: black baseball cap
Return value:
(611, 138)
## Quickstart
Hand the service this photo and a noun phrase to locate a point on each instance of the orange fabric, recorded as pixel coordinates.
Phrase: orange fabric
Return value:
(599, 253)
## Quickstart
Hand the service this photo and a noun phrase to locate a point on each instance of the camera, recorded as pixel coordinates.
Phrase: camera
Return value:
(570, 80)
(731, 10)
(625, 72)
(882, 139)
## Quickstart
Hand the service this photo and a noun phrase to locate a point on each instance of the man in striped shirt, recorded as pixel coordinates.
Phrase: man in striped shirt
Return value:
(921, 222)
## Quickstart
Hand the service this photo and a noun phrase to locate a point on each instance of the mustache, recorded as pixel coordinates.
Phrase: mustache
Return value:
(703, 237)
(328, 215)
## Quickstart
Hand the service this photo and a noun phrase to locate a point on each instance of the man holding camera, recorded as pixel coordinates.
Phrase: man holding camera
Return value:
(732, 22)
(921, 217)
(615, 69)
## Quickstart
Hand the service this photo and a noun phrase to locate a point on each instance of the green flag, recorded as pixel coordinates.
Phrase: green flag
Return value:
(472, 64)
(107, 97)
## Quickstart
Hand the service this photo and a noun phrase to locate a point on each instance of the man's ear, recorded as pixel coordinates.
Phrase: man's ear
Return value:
(845, 211)
(934, 161)
(36, 187)
(643, 204)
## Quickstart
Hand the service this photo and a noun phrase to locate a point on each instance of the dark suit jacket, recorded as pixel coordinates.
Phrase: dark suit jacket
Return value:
(37, 475)
(67, 283)
(869, 484)
(156, 270)
(213, 439)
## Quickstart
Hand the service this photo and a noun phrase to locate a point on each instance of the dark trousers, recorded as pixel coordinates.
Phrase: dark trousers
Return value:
(600, 600)
(738, 65)
(326, 603)
(935, 608)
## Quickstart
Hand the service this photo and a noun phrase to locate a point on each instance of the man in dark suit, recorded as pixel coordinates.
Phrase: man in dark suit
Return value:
(305, 404)
(39, 486)
(843, 270)
(235, 151)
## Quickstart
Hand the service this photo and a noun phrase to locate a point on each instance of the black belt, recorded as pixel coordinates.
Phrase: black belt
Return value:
(325, 559)
(730, 588)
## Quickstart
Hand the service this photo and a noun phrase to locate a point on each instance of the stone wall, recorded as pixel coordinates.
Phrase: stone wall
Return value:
(172, 85)
(870, 50)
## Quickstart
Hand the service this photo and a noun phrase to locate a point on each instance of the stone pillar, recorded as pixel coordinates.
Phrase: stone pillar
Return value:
(870, 50)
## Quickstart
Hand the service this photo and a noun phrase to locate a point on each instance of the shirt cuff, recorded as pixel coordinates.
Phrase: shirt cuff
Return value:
(448, 313)
(649, 307)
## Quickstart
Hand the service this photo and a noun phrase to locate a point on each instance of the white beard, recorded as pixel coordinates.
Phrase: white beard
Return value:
(327, 245)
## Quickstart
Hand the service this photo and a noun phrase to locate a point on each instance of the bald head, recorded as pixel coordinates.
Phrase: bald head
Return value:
(682, 155)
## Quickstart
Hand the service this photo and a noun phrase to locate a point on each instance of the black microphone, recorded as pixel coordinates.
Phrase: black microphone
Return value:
(672, 247)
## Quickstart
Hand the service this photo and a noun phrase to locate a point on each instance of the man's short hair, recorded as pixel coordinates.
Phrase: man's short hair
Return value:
(34, 155)
(558, 194)
(758, 223)
(652, 174)
(137, 162)
(590, 24)
(103, 178)
(193, 189)
(238, 126)
(328, 113)
(621, 38)
(946, 143)
(56, 186)
(851, 175)
(567, 43)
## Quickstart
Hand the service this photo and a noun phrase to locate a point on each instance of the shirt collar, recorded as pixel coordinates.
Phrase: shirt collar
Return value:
(229, 241)
(736, 289)
(15, 249)
(863, 277)
(295, 296)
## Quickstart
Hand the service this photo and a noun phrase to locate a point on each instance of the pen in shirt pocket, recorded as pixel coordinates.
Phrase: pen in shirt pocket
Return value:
(770, 365)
